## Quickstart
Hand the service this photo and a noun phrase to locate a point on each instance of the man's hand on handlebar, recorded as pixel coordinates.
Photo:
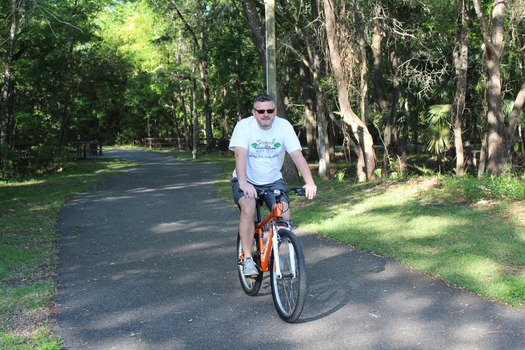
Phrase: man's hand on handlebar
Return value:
(310, 190)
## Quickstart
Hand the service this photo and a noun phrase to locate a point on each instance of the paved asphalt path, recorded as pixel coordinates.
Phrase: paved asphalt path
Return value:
(147, 261)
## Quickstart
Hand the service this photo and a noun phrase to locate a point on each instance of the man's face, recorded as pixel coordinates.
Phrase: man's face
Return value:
(264, 119)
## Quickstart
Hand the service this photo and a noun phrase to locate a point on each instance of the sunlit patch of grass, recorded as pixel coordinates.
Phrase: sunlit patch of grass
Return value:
(442, 238)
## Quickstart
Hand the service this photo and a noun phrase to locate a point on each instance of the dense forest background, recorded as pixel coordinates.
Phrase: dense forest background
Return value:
(384, 86)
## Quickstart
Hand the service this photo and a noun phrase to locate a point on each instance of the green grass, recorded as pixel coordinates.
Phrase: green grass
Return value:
(28, 251)
(453, 241)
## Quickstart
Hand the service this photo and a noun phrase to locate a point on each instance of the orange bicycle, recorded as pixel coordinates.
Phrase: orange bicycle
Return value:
(278, 250)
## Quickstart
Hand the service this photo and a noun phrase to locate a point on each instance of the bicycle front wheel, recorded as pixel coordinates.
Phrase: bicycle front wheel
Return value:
(250, 285)
(288, 287)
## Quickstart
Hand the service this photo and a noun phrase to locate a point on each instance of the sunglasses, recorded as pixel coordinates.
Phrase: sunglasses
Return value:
(269, 111)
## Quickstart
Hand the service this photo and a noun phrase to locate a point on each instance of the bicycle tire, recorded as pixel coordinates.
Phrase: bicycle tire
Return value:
(250, 285)
(289, 292)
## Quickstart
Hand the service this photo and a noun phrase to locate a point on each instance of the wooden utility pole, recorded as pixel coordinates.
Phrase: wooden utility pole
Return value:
(271, 75)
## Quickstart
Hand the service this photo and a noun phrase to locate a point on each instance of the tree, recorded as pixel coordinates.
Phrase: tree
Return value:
(199, 31)
(322, 129)
(493, 45)
(20, 14)
(461, 64)
(45, 38)
(120, 70)
(366, 155)
(305, 46)
(499, 136)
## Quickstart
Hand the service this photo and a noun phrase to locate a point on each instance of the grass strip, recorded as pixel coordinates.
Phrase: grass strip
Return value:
(477, 247)
(28, 250)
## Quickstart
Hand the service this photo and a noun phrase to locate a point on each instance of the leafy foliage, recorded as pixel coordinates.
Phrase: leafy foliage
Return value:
(119, 71)
(438, 132)
(473, 190)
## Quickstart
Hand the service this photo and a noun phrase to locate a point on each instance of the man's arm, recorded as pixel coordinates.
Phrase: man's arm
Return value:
(304, 169)
(240, 171)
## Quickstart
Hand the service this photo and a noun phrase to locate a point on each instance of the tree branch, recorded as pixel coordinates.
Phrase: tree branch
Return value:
(487, 46)
(186, 25)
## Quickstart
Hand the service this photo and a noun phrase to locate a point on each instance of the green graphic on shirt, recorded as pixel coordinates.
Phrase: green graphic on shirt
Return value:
(265, 145)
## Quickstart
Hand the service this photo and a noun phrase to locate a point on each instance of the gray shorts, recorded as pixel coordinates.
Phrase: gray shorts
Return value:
(269, 199)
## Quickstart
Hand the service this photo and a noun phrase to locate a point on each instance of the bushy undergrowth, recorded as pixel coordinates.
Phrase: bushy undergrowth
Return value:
(473, 189)
(35, 161)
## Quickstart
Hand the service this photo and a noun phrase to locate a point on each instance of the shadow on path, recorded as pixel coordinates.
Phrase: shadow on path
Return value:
(147, 261)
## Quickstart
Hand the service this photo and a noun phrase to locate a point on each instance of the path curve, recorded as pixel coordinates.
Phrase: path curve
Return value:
(147, 261)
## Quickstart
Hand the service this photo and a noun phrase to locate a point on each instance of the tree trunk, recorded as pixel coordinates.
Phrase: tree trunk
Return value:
(271, 64)
(366, 155)
(203, 63)
(513, 120)
(206, 98)
(493, 44)
(68, 99)
(7, 73)
(185, 123)
(520, 136)
(176, 125)
(322, 125)
(483, 155)
(195, 118)
(390, 132)
(307, 94)
(363, 62)
(461, 63)
(201, 48)
(257, 30)
(378, 35)
(236, 70)
(311, 139)
(376, 53)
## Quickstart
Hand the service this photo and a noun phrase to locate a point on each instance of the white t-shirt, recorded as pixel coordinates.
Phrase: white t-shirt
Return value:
(265, 148)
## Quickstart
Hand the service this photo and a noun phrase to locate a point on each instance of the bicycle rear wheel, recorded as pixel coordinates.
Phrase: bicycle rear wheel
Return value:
(289, 289)
(250, 285)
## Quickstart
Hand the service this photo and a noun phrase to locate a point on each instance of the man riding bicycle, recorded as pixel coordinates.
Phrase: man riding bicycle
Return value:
(259, 143)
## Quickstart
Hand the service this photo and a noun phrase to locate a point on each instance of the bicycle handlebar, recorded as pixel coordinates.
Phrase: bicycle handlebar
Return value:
(298, 191)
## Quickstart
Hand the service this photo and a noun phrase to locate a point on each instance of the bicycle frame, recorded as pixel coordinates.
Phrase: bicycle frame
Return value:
(275, 220)
(277, 250)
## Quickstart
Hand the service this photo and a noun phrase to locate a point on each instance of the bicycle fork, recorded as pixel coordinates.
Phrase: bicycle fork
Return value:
(270, 246)
(276, 239)
(275, 248)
